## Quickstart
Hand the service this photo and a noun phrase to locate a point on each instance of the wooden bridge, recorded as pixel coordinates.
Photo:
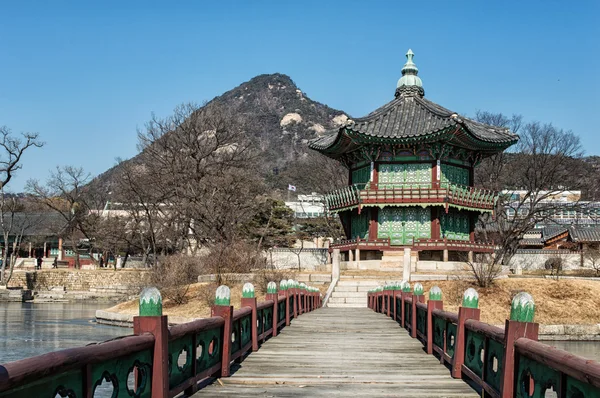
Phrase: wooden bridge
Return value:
(288, 346)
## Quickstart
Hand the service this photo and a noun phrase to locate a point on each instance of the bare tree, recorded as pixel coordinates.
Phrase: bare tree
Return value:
(592, 255)
(66, 193)
(540, 167)
(11, 152)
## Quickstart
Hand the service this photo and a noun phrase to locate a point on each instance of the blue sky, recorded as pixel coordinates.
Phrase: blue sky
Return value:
(87, 75)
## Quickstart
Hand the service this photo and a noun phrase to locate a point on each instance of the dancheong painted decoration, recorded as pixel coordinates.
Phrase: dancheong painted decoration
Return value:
(410, 168)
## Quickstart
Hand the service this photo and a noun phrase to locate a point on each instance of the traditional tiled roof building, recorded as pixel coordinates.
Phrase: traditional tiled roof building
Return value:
(411, 175)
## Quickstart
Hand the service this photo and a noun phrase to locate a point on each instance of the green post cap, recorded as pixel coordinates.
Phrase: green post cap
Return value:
(283, 285)
(150, 302)
(302, 286)
(291, 284)
(271, 288)
(248, 290)
(435, 293)
(405, 287)
(522, 308)
(223, 295)
(418, 289)
(470, 298)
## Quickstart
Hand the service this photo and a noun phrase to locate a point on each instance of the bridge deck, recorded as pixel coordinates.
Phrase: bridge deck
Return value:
(340, 352)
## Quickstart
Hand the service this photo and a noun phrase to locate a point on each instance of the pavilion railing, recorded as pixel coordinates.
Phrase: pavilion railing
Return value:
(444, 193)
(157, 360)
(507, 362)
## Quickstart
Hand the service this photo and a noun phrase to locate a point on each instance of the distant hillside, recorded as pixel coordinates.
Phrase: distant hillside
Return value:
(280, 118)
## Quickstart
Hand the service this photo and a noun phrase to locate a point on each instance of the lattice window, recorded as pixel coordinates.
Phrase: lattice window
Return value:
(400, 175)
(455, 225)
(454, 175)
(359, 226)
(402, 225)
(361, 176)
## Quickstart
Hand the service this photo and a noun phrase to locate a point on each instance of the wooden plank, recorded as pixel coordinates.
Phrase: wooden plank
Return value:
(340, 352)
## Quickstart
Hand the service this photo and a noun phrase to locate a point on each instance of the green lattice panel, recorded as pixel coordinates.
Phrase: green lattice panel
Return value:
(360, 224)
(450, 338)
(267, 318)
(69, 384)
(439, 325)
(422, 321)
(404, 175)
(455, 225)
(208, 350)
(178, 373)
(578, 389)
(403, 224)
(544, 378)
(246, 331)
(260, 321)
(117, 371)
(361, 176)
(454, 175)
(398, 309)
(494, 358)
(236, 341)
(281, 311)
(474, 347)
(407, 314)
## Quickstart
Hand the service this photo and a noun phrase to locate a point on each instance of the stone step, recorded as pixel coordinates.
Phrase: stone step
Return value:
(348, 294)
(339, 288)
(332, 305)
(358, 283)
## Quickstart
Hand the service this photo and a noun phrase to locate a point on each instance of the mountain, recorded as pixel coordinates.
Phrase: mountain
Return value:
(279, 117)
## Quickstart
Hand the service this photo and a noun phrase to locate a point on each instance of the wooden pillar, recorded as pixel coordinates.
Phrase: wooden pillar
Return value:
(460, 339)
(374, 211)
(435, 223)
(226, 312)
(435, 174)
(513, 331)
(60, 248)
(375, 176)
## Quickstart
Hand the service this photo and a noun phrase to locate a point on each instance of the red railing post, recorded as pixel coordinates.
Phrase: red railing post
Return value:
(519, 325)
(417, 297)
(248, 300)
(223, 309)
(434, 303)
(152, 321)
(468, 310)
(283, 288)
(388, 295)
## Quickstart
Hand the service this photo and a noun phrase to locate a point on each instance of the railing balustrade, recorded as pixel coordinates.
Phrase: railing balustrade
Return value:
(158, 361)
(371, 194)
(507, 362)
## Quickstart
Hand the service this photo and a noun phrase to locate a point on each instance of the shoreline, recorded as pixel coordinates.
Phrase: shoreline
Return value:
(590, 332)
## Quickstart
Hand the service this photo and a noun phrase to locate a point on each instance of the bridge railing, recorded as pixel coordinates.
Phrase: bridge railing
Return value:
(507, 362)
(159, 361)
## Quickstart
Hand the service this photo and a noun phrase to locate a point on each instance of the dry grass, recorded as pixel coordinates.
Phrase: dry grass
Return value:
(557, 302)
(197, 305)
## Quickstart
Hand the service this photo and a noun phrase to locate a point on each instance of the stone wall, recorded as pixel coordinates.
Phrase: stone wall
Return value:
(535, 259)
(310, 259)
(126, 282)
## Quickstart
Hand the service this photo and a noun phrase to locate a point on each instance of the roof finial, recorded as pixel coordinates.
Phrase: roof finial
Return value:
(410, 84)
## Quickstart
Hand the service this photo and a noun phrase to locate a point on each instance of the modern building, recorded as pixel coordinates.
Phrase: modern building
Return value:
(410, 168)
(308, 206)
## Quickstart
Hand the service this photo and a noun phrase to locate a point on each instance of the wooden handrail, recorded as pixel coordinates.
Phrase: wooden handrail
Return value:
(13, 374)
(493, 332)
(196, 326)
(448, 316)
(580, 368)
